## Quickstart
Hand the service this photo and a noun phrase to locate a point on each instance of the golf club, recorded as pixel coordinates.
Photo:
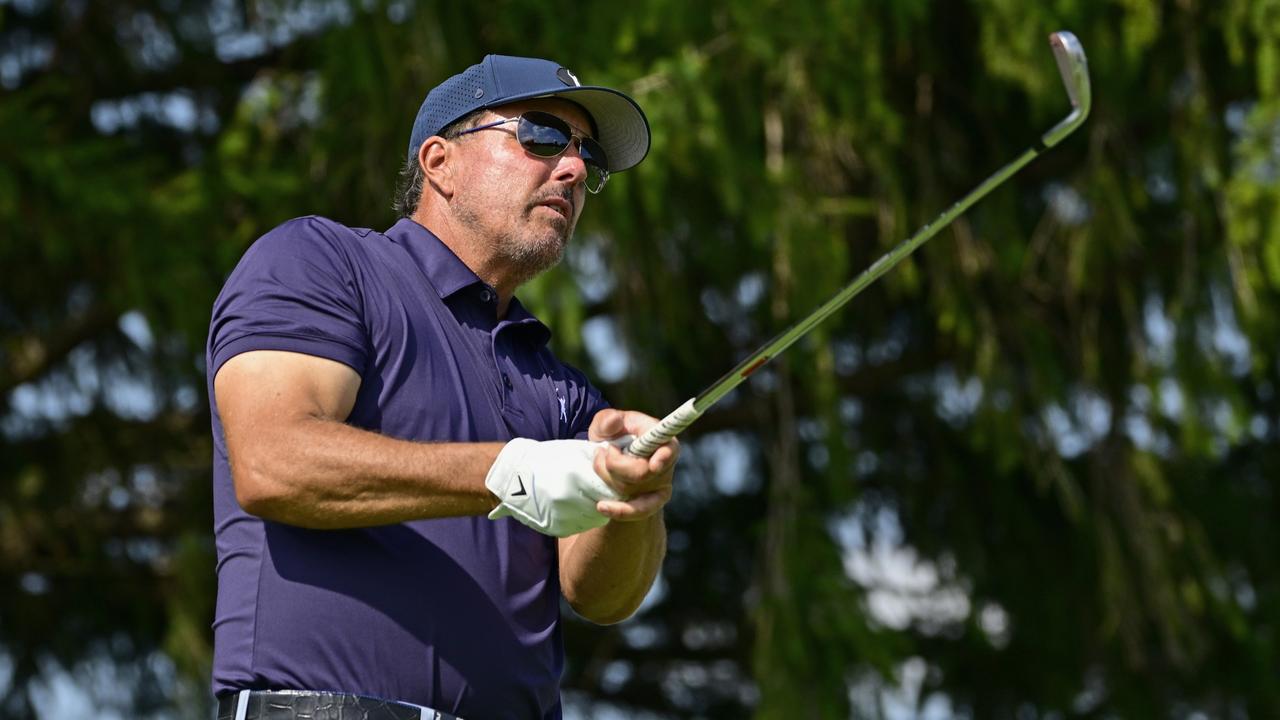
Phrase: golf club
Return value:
(1075, 75)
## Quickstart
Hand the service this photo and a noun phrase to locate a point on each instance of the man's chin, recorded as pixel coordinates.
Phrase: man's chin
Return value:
(560, 227)
(554, 239)
(537, 256)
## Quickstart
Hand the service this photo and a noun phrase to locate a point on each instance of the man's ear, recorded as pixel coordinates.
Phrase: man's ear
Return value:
(436, 158)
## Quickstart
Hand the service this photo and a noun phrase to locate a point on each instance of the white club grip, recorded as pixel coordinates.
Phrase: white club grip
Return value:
(658, 435)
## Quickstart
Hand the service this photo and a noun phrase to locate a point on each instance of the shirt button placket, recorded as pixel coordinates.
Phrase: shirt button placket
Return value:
(499, 365)
(488, 296)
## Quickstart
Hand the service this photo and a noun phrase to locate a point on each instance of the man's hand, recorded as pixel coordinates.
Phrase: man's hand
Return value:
(550, 486)
(644, 484)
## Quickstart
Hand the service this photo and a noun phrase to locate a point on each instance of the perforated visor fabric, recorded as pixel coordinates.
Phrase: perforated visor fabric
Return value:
(456, 100)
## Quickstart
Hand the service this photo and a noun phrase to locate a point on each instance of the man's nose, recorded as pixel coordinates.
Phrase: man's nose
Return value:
(570, 167)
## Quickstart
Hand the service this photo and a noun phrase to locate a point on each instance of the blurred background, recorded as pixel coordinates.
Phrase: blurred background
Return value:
(1028, 474)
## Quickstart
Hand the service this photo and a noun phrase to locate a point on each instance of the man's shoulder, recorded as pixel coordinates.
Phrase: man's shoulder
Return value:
(311, 237)
(315, 229)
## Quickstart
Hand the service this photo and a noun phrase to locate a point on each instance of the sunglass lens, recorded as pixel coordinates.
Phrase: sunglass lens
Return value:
(546, 135)
(597, 164)
(543, 135)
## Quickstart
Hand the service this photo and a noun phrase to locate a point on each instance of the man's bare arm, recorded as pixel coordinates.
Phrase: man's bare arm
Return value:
(294, 460)
(605, 573)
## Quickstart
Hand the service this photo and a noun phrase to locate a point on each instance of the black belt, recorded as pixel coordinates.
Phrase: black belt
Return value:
(312, 705)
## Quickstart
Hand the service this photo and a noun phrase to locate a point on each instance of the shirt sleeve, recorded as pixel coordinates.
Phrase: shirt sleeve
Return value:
(295, 289)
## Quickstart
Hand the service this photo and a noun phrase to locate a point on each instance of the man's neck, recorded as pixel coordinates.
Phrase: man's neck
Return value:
(473, 253)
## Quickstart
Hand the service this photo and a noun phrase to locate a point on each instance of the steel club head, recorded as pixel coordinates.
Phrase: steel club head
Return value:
(1074, 68)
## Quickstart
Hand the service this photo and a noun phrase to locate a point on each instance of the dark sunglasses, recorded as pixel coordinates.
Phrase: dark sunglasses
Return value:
(547, 136)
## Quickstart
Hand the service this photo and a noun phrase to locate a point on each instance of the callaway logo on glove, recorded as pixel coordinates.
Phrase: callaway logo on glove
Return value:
(551, 486)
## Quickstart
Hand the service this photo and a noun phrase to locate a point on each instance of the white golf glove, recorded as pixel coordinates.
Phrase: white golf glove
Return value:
(551, 485)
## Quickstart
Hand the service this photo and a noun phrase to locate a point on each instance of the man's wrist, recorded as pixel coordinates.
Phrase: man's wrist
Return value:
(637, 526)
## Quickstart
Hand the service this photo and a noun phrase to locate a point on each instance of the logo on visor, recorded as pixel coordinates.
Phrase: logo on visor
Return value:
(568, 78)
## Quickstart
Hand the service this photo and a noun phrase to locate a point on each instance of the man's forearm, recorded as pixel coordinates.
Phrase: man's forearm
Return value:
(605, 573)
(326, 474)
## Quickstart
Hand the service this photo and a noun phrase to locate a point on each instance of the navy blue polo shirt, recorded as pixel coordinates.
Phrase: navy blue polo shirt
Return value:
(460, 614)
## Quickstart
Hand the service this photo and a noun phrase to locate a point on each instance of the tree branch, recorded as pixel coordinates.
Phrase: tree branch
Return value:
(32, 355)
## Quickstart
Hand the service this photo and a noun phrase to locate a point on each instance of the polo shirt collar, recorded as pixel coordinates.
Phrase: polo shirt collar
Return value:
(445, 271)
(518, 315)
(448, 274)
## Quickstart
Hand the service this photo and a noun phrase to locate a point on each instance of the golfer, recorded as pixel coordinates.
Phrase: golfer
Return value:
(406, 478)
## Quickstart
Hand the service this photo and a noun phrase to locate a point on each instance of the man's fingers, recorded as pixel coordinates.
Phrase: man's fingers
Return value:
(620, 461)
(662, 459)
(606, 425)
(610, 424)
(637, 423)
(632, 475)
(627, 475)
(664, 456)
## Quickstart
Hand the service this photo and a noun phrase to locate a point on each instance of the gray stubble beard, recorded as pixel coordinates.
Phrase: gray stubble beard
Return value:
(526, 256)
(530, 256)
(529, 262)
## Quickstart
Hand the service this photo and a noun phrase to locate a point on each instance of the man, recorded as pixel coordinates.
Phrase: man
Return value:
(406, 479)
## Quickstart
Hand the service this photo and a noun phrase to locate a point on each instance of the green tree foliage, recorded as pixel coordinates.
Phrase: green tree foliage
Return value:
(1024, 475)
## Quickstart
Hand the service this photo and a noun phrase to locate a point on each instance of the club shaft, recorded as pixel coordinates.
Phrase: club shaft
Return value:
(786, 338)
(1071, 63)
(682, 417)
